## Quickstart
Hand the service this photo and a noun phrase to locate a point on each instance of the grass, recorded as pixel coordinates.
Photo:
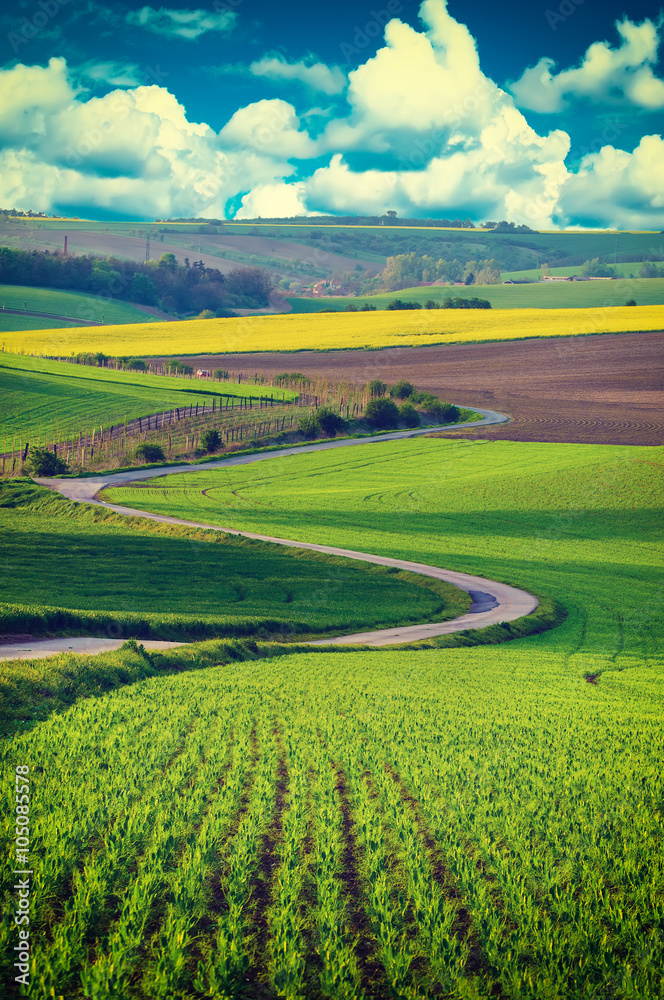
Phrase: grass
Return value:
(75, 305)
(331, 332)
(460, 822)
(576, 522)
(45, 399)
(542, 295)
(107, 574)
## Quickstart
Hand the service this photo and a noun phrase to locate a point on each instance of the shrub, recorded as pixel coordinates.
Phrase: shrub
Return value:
(329, 422)
(402, 390)
(630, 302)
(367, 307)
(377, 388)
(382, 414)
(42, 462)
(137, 365)
(307, 427)
(408, 415)
(400, 304)
(205, 314)
(220, 374)
(150, 452)
(211, 441)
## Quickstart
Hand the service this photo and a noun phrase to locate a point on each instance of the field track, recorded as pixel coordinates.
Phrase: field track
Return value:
(493, 602)
(604, 389)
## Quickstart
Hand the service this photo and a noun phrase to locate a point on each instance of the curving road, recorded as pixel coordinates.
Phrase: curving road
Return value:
(493, 602)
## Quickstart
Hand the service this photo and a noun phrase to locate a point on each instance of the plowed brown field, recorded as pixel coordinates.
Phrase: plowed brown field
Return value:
(597, 390)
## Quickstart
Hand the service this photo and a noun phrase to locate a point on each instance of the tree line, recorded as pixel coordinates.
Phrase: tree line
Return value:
(407, 269)
(175, 288)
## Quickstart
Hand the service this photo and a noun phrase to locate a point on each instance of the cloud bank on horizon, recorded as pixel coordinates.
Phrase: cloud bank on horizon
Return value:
(417, 128)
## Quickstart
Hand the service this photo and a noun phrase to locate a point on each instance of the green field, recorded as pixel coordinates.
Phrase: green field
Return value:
(46, 400)
(75, 305)
(543, 295)
(153, 580)
(463, 823)
(534, 274)
(551, 517)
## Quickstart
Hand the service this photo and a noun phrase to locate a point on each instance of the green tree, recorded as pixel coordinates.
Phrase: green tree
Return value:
(143, 290)
(377, 388)
(402, 390)
(211, 441)
(382, 414)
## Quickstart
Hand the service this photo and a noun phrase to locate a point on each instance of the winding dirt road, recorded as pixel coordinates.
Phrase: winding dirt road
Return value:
(492, 602)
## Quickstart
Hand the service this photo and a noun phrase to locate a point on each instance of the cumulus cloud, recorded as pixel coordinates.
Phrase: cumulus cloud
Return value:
(623, 190)
(187, 24)
(435, 134)
(614, 75)
(274, 201)
(317, 76)
(270, 127)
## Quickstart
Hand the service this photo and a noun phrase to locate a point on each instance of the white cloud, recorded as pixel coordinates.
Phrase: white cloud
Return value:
(114, 73)
(620, 75)
(29, 95)
(452, 142)
(317, 76)
(274, 201)
(268, 127)
(187, 24)
(618, 189)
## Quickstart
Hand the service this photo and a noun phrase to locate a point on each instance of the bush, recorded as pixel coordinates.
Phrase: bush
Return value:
(137, 365)
(220, 374)
(329, 422)
(150, 452)
(211, 441)
(630, 302)
(382, 414)
(399, 304)
(445, 412)
(408, 415)
(377, 388)
(402, 390)
(307, 427)
(42, 462)
(205, 314)
(323, 422)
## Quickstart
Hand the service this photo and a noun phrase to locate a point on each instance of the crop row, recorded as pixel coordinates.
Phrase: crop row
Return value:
(332, 827)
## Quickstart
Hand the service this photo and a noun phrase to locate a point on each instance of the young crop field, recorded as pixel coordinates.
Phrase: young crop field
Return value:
(546, 517)
(105, 573)
(328, 332)
(75, 305)
(535, 295)
(54, 400)
(464, 823)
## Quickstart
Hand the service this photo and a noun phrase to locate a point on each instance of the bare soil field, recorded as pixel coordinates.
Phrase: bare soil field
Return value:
(112, 244)
(286, 250)
(605, 389)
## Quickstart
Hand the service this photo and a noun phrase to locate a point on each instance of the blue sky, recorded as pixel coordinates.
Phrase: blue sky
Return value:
(547, 115)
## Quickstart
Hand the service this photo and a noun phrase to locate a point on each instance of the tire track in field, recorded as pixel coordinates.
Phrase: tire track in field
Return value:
(510, 602)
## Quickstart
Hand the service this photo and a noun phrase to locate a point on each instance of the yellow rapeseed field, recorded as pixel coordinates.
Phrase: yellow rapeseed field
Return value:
(333, 331)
